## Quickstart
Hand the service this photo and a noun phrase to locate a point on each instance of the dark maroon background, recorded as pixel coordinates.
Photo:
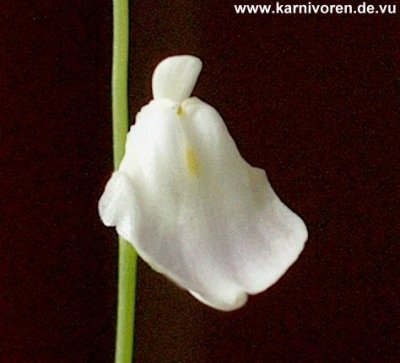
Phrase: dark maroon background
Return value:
(312, 99)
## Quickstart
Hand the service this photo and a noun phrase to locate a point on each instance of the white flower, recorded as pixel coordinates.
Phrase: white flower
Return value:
(192, 207)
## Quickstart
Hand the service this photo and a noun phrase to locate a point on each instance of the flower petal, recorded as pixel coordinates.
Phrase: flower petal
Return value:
(195, 210)
(175, 77)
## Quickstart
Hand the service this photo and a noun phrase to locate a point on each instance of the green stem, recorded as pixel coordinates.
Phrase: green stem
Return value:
(120, 115)
(126, 303)
(120, 112)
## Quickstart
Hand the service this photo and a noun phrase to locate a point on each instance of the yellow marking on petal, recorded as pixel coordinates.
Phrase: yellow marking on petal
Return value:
(180, 111)
(192, 162)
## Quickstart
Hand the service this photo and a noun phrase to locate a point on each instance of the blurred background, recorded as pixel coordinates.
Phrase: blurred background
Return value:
(313, 99)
